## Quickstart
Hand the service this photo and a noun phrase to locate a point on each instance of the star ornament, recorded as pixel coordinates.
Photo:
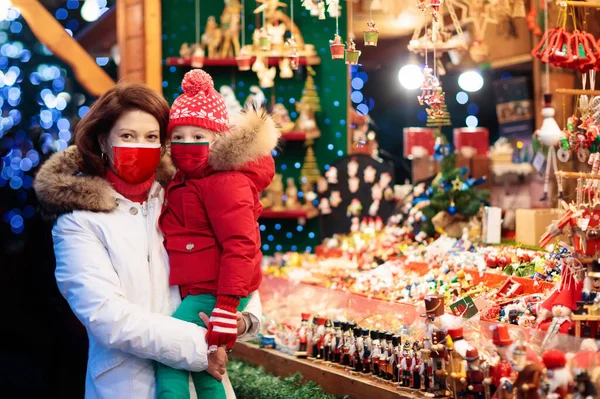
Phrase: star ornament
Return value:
(456, 184)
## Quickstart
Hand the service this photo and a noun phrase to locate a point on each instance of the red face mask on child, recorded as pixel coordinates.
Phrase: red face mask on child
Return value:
(135, 163)
(190, 157)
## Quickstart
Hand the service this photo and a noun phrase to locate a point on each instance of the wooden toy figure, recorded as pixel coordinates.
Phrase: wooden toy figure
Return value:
(406, 365)
(559, 375)
(390, 358)
(291, 193)
(327, 340)
(318, 338)
(475, 375)
(345, 349)
(334, 353)
(383, 355)
(584, 387)
(369, 337)
(312, 341)
(359, 350)
(375, 352)
(416, 366)
(349, 344)
(502, 373)
(528, 382)
(434, 343)
(303, 333)
(397, 339)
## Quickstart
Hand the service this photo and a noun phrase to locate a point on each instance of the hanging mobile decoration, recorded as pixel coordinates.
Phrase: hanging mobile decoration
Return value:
(550, 135)
(293, 56)
(371, 35)
(198, 55)
(336, 45)
(352, 54)
(244, 60)
(321, 8)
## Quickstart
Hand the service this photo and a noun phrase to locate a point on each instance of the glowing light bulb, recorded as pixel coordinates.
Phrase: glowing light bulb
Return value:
(410, 76)
(470, 81)
(5, 5)
(90, 11)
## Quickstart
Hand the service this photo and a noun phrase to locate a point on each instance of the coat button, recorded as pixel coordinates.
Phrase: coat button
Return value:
(133, 211)
(190, 246)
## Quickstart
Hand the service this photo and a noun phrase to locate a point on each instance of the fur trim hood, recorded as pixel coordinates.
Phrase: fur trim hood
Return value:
(253, 134)
(61, 187)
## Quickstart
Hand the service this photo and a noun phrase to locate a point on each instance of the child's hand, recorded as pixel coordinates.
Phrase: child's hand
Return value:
(217, 361)
(241, 324)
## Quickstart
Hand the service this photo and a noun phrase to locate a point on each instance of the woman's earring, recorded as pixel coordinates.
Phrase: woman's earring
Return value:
(104, 157)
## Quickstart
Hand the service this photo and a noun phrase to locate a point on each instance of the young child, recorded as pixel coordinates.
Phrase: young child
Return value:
(210, 215)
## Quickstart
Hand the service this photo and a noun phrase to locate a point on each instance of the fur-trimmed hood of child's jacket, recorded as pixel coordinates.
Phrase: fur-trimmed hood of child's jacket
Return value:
(61, 187)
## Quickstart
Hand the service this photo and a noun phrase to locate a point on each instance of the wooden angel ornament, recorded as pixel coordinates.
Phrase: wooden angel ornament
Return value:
(550, 135)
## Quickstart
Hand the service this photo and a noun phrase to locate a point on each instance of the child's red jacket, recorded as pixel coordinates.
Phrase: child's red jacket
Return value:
(210, 223)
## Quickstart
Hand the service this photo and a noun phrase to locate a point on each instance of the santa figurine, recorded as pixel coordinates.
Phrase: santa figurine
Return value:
(475, 375)
(559, 377)
(502, 373)
(302, 334)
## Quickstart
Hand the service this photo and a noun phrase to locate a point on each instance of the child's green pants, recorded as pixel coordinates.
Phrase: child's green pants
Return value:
(174, 384)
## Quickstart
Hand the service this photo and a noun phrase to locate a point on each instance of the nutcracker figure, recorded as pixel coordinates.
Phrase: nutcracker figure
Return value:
(389, 373)
(338, 342)
(529, 382)
(475, 375)
(426, 369)
(318, 338)
(334, 353)
(348, 342)
(406, 365)
(502, 372)
(383, 356)
(325, 348)
(434, 344)
(397, 358)
(375, 352)
(591, 283)
(416, 365)
(368, 337)
(342, 342)
(584, 387)
(359, 350)
(312, 343)
(457, 350)
(303, 332)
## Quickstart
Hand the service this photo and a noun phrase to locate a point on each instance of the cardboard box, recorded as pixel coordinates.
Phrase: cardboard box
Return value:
(532, 224)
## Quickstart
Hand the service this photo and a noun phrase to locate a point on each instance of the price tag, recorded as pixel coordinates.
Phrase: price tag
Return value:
(464, 307)
(583, 223)
(539, 162)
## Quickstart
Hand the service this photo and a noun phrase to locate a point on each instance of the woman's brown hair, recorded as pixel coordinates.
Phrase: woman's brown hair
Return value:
(102, 116)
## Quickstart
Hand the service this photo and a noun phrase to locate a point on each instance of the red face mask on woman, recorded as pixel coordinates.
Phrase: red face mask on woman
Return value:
(190, 158)
(135, 162)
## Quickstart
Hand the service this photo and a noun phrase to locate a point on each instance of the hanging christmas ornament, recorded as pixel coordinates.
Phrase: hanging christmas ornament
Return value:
(335, 199)
(244, 60)
(371, 35)
(452, 208)
(291, 42)
(355, 208)
(307, 4)
(332, 175)
(353, 184)
(550, 135)
(333, 8)
(435, 102)
(336, 46)
(352, 54)
(321, 7)
(429, 83)
(314, 9)
(197, 60)
(285, 69)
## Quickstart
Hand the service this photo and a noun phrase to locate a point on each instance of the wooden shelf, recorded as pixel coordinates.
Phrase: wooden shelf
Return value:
(289, 214)
(231, 62)
(332, 379)
(294, 136)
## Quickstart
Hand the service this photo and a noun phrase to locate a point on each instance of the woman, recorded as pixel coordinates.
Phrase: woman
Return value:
(111, 265)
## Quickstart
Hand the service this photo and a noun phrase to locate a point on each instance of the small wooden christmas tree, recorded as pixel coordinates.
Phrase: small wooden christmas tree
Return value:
(310, 96)
(310, 168)
(439, 121)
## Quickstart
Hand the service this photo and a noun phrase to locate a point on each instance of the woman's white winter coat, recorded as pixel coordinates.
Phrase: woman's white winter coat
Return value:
(112, 269)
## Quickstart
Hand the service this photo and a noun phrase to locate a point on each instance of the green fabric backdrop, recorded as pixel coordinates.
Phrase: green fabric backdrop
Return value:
(179, 26)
